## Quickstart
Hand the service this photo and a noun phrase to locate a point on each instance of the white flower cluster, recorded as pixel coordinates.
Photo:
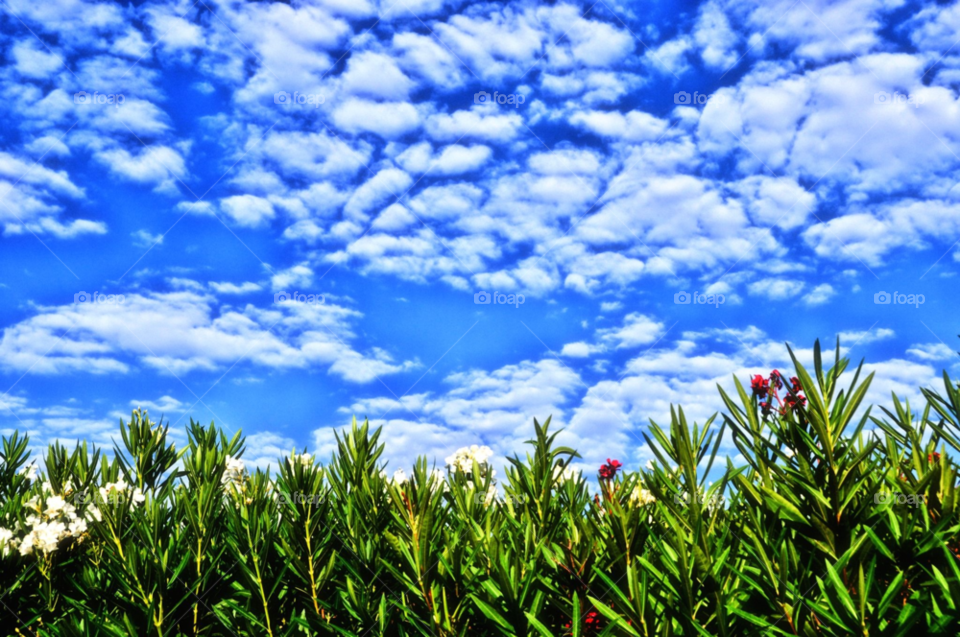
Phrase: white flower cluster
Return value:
(53, 521)
(7, 544)
(489, 496)
(30, 471)
(304, 458)
(113, 492)
(234, 473)
(436, 477)
(463, 458)
(641, 497)
(563, 475)
(399, 477)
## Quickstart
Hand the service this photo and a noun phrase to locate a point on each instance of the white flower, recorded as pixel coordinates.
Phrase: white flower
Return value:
(464, 457)
(565, 474)
(55, 505)
(30, 471)
(112, 491)
(45, 536)
(78, 527)
(490, 496)
(234, 472)
(6, 541)
(26, 546)
(399, 477)
(438, 477)
(641, 497)
(304, 458)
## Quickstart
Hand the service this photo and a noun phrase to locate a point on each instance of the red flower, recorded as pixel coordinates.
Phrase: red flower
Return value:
(765, 407)
(794, 400)
(760, 386)
(609, 470)
(795, 384)
(933, 457)
(776, 379)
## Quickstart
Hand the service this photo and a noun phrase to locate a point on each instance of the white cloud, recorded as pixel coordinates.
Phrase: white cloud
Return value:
(299, 276)
(34, 62)
(376, 76)
(454, 159)
(489, 125)
(637, 329)
(248, 211)
(158, 165)
(634, 126)
(715, 37)
(820, 294)
(181, 332)
(387, 119)
(226, 287)
(145, 239)
(932, 352)
(776, 288)
(578, 350)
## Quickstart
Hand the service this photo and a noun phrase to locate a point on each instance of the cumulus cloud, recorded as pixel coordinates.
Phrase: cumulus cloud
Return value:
(183, 332)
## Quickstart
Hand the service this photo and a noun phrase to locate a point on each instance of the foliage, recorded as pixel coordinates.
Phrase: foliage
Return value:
(840, 520)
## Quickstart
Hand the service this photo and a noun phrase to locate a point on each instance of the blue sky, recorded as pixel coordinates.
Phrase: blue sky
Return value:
(168, 171)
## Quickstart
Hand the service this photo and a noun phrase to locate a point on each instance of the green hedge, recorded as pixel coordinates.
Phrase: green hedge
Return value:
(840, 521)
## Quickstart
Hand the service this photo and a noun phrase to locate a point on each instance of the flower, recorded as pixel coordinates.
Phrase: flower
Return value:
(304, 459)
(463, 458)
(438, 478)
(794, 402)
(795, 386)
(933, 457)
(7, 543)
(54, 520)
(776, 379)
(56, 504)
(30, 471)
(113, 492)
(234, 472)
(399, 477)
(641, 497)
(609, 470)
(563, 474)
(488, 497)
(760, 386)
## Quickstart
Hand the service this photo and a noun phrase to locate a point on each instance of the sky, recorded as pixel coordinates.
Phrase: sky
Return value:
(454, 217)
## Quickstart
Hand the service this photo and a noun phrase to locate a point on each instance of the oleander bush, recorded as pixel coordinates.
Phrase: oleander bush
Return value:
(840, 520)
